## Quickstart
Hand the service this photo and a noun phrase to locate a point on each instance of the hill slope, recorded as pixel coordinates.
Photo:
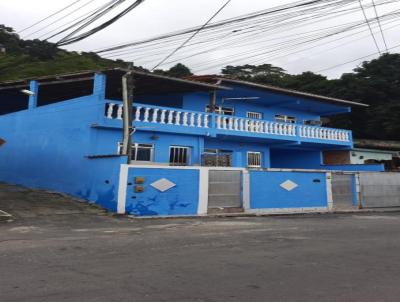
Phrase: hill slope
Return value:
(32, 58)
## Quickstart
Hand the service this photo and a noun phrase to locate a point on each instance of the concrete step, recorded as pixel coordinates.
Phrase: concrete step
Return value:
(225, 210)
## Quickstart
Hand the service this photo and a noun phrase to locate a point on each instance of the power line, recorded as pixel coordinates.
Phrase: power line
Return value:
(379, 23)
(369, 26)
(193, 35)
(59, 19)
(80, 21)
(48, 17)
(228, 22)
(348, 62)
(80, 37)
(261, 52)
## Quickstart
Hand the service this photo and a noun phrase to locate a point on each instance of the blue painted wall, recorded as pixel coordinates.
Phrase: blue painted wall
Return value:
(180, 200)
(360, 168)
(268, 103)
(48, 147)
(266, 193)
(167, 100)
(295, 159)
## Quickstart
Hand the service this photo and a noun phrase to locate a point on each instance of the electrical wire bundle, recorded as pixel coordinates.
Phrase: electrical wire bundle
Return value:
(80, 28)
(263, 35)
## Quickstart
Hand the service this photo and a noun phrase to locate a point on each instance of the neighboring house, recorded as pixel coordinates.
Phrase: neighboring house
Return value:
(367, 152)
(64, 133)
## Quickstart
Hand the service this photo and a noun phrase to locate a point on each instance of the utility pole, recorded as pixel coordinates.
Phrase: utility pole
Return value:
(213, 101)
(127, 96)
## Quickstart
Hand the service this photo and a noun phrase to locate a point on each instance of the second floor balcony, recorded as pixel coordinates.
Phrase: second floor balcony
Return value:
(177, 120)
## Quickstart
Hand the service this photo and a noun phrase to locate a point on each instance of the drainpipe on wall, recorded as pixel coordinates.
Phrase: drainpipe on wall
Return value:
(127, 96)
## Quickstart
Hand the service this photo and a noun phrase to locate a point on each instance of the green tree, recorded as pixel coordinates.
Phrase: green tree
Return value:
(265, 73)
(177, 71)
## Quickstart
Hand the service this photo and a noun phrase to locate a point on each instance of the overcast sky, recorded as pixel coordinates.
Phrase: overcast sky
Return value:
(156, 17)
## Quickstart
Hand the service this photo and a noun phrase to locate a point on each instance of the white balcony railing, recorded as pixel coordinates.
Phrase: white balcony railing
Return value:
(324, 133)
(179, 117)
(226, 122)
(161, 115)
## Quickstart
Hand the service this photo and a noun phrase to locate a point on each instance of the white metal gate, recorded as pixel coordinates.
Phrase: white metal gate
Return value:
(380, 189)
(225, 189)
(342, 191)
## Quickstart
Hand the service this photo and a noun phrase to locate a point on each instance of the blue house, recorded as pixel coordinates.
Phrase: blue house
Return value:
(64, 133)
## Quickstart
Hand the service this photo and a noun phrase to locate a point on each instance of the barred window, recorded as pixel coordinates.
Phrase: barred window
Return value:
(140, 152)
(254, 115)
(254, 159)
(179, 156)
(217, 158)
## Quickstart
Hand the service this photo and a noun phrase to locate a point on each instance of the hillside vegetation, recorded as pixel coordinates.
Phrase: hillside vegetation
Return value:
(32, 58)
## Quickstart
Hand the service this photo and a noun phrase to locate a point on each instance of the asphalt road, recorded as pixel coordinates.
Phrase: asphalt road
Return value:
(62, 250)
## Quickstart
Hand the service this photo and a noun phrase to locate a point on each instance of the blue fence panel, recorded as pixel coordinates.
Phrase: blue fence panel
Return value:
(355, 168)
(266, 191)
(182, 199)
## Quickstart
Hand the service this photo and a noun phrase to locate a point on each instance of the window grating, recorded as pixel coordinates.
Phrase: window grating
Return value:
(140, 152)
(179, 156)
(254, 115)
(254, 159)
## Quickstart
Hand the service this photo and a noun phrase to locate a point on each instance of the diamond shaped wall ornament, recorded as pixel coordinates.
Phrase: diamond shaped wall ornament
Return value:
(289, 185)
(163, 185)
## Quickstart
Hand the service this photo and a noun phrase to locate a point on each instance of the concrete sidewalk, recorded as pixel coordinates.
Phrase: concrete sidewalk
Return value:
(19, 203)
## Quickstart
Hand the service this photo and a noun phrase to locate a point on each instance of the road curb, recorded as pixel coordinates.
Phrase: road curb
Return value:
(277, 214)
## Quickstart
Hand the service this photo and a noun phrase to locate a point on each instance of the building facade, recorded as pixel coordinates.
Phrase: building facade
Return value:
(64, 133)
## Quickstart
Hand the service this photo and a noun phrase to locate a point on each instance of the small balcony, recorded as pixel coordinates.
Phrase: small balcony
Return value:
(177, 120)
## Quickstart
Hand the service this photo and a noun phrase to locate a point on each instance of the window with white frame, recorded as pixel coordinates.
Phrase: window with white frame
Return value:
(254, 115)
(285, 118)
(221, 110)
(179, 156)
(140, 152)
(254, 159)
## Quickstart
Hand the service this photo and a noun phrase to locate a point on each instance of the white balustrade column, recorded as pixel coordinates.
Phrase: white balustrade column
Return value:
(162, 116)
(266, 129)
(170, 117)
(192, 114)
(246, 125)
(206, 121)
(230, 123)
(119, 112)
(199, 118)
(185, 119)
(155, 115)
(223, 123)
(236, 124)
(146, 114)
(110, 110)
(178, 118)
(137, 114)
(218, 122)
(251, 126)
